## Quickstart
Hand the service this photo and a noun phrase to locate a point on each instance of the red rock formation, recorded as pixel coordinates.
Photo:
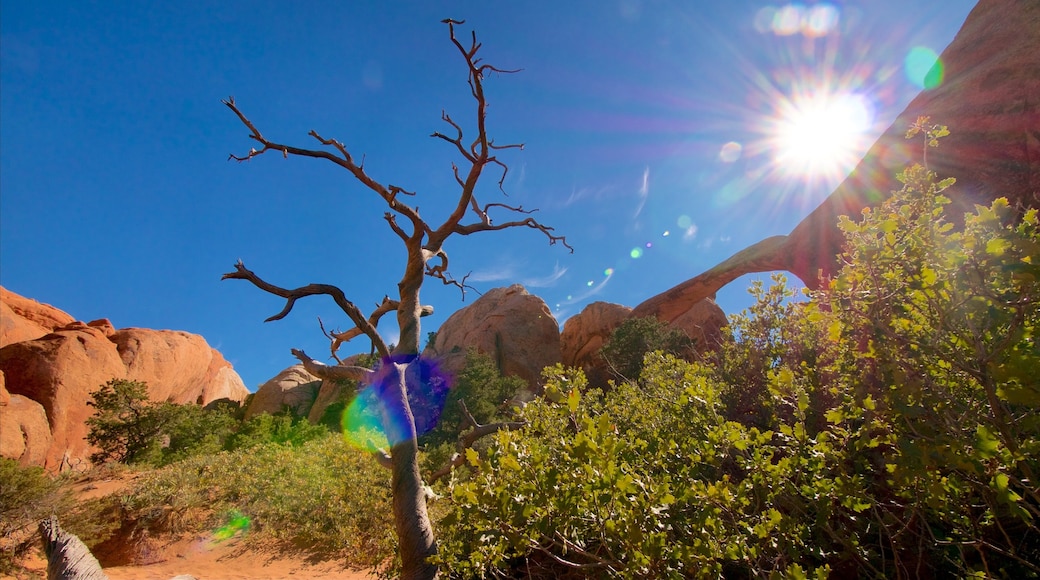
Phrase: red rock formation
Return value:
(24, 432)
(990, 99)
(59, 370)
(25, 319)
(294, 387)
(585, 333)
(514, 328)
(703, 323)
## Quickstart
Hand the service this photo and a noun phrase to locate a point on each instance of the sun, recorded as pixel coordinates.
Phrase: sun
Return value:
(821, 135)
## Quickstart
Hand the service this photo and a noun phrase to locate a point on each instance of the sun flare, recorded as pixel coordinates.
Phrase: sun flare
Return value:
(821, 135)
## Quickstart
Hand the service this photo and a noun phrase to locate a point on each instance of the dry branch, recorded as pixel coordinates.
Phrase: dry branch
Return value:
(471, 433)
(291, 296)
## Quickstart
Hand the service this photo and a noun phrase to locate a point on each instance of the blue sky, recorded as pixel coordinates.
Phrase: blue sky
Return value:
(657, 138)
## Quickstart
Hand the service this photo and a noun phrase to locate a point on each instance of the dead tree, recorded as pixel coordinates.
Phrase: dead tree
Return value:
(67, 557)
(400, 370)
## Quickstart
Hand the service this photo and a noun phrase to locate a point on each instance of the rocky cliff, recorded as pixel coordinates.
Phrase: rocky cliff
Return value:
(49, 363)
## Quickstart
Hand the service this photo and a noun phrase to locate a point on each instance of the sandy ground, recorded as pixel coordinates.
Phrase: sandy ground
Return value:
(201, 558)
(226, 561)
(230, 561)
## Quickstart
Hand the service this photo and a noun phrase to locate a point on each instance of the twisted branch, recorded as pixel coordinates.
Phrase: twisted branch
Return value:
(471, 433)
(291, 296)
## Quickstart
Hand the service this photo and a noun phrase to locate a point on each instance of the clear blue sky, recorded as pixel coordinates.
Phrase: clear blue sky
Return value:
(653, 130)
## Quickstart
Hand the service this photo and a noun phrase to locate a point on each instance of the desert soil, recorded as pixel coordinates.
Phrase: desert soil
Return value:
(202, 558)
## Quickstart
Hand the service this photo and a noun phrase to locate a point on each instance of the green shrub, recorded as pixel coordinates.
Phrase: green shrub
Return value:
(126, 427)
(27, 495)
(888, 426)
(282, 429)
(630, 342)
(321, 496)
(485, 392)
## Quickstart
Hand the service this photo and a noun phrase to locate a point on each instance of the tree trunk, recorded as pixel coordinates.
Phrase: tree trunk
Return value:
(67, 557)
(411, 520)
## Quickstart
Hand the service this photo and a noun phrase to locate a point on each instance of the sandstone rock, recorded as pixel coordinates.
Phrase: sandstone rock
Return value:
(25, 319)
(585, 333)
(703, 323)
(516, 329)
(294, 388)
(332, 392)
(104, 324)
(989, 100)
(179, 367)
(60, 369)
(24, 433)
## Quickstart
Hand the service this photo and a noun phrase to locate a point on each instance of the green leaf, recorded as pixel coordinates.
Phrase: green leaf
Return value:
(573, 398)
(986, 444)
(997, 246)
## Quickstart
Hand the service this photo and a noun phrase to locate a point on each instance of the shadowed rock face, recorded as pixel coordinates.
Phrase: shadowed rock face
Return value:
(990, 100)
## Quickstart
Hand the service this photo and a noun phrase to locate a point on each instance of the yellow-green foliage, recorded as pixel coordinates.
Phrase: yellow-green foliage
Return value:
(887, 427)
(321, 496)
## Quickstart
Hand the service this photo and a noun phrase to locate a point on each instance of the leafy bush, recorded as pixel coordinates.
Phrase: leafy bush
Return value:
(128, 428)
(483, 389)
(27, 495)
(889, 426)
(635, 337)
(322, 496)
(280, 429)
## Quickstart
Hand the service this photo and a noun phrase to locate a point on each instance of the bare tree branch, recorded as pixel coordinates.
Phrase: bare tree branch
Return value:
(466, 230)
(291, 296)
(344, 159)
(471, 433)
(386, 306)
(334, 373)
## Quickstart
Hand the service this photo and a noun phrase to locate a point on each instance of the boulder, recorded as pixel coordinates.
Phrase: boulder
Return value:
(294, 388)
(331, 392)
(24, 433)
(25, 319)
(585, 333)
(703, 323)
(988, 99)
(515, 328)
(179, 367)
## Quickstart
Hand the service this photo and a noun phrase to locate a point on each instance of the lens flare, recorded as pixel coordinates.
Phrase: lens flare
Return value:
(362, 425)
(810, 21)
(822, 134)
(237, 523)
(374, 421)
(730, 152)
(923, 67)
(636, 253)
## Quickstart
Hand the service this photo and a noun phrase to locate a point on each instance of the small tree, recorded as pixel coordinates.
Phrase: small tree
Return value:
(399, 379)
(126, 427)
